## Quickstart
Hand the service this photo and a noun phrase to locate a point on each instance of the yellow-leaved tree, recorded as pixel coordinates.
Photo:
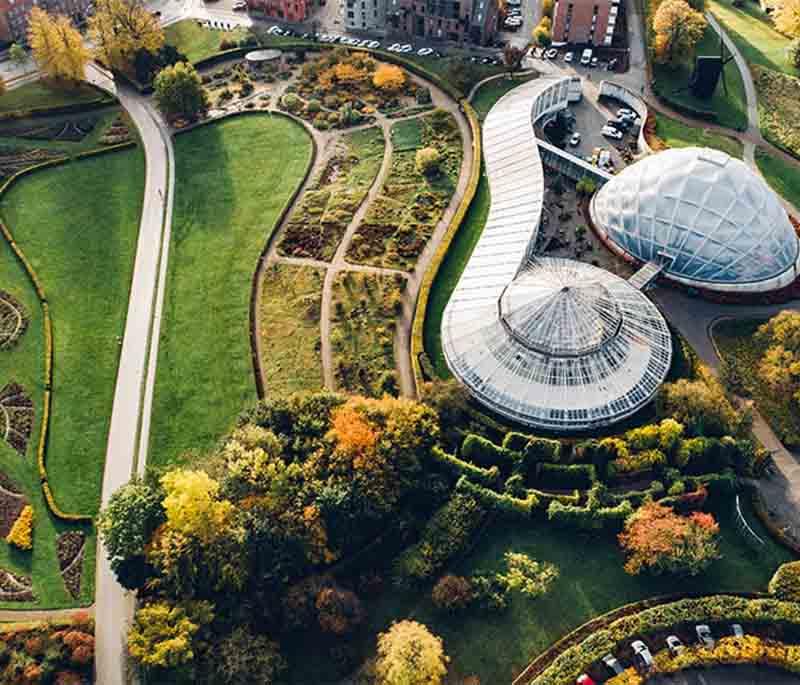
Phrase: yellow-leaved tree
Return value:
(57, 46)
(678, 28)
(193, 505)
(787, 17)
(120, 28)
(409, 654)
(162, 633)
(389, 77)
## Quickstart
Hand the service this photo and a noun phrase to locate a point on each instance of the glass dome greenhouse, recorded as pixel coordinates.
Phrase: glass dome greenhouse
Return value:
(706, 217)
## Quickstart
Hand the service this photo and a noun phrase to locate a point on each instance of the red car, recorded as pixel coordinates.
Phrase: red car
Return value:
(584, 680)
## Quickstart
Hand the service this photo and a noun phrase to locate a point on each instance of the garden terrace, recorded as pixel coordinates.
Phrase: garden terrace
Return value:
(401, 220)
(365, 311)
(317, 225)
(291, 298)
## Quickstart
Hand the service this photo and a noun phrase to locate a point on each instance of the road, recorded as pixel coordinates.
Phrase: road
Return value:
(130, 414)
(728, 675)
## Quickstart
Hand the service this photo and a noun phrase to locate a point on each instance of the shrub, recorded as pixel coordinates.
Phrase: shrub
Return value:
(457, 468)
(785, 584)
(423, 96)
(313, 106)
(566, 476)
(291, 102)
(508, 506)
(664, 436)
(639, 461)
(428, 161)
(483, 452)
(706, 455)
(589, 518)
(452, 593)
(515, 441)
(339, 611)
(21, 533)
(586, 186)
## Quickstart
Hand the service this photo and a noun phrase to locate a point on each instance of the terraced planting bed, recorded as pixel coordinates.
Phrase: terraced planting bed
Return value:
(291, 298)
(778, 98)
(402, 218)
(365, 309)
(316, 227)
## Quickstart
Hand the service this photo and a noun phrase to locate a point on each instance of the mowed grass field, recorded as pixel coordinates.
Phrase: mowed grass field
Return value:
(42, 94)
(78, 225)
(783, 177)
(198, 42)
(677, 134)
(233, 179)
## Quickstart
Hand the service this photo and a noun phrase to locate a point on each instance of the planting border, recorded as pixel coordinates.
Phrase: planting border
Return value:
(44, 431)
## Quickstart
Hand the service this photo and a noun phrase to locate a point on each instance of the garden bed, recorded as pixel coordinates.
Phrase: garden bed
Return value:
(291, 298)
(69, 547)
(15, 588)
(16, 416)
(365, 308)
(13, 320)
(778, 98)
(402, 218)
(12, 502)
(317, 225)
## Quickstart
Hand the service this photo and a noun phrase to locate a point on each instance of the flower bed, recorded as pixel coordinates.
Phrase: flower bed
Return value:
(12, 502)
(16, 416)
(778, 95)
(316, 227)
(69, 548)
(14, 588)
(13, 320)
(402, 218)
(13, 160)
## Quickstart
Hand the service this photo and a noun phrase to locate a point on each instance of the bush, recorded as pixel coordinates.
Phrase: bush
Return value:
(428, 161)
(566, 476)
(664, 436)
(586, 186)
(457, 468)
(637, 462)
(591, 517)
(452, 593)
(785, 584)
(423, 96)
(313, 106)
(291, 102)
(506, 505)
(21, 533)
(483, 452)
(515, 441)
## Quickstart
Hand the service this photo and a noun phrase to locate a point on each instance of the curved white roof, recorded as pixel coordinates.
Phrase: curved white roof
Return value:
(712, 221)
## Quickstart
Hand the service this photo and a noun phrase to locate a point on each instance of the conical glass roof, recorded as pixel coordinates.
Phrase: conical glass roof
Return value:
(550, 310)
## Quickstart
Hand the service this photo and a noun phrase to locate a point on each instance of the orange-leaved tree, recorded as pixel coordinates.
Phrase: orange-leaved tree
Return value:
(389, 77)
(678, 29)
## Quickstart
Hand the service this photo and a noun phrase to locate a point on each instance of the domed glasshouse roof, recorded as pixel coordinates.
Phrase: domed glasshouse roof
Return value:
(707, 217)
(568, 346)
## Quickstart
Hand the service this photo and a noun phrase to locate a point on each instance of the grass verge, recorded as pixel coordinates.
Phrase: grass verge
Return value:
(196, 41)
(677, 134)
(233, 180)
(290, 336)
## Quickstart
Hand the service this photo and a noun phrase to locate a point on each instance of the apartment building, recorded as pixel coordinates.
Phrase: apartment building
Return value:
(292, 11)
(473, 21)
(590, 22)
(14, 15)
(365, 15)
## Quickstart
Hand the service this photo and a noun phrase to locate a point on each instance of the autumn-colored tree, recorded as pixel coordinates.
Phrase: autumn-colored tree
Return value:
(786, 16)
(389, 77)
(193, 506)
(512, 58)
(428, 161)
(547, 7)
(779, 368)
(657, 539)
(57, 46)
(678, 29)
(409, 654)
(348, 73)
(120, 28)
(179, 91)
(339, 611)
(163, 632)
(452, 593)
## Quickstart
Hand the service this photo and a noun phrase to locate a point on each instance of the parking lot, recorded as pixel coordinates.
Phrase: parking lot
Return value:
(728, 675)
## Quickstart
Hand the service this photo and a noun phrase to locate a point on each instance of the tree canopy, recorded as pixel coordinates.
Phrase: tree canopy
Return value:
(786, 15)
(678, 29)
(409, 654)
(57, 46)
(179, 91)
(120, 28)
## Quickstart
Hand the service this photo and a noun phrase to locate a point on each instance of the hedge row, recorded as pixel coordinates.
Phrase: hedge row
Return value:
(566, 476)
(590, 517)
(71, 108)
(567, 666)
(457, 467)
(41, 452)
(505, 504)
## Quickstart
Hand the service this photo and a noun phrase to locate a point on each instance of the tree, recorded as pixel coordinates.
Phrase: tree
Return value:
(449, 399)
(657, 539)
(586, 186)
(452, 593)
(785, 584)
(57, 46)
(527, 576)
(163, 633)
(547, 8)
(126, 525)
(18, 55)
(786, 16)
(409, 654)
(179, 91)
(243, 658)
(120, 28)
(779, 368)
(339, 611)
(428, 160)
(192, 504)
(512, 58)
(389, 77)
(793, 52)
(678, 28)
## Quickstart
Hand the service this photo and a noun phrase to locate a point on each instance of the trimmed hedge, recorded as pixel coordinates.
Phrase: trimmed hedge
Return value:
(104, 101)
(785, 584)
(566, 476)
(567, 666)
(590, 518)
(457, 468)
(485, 453)
(504, 504)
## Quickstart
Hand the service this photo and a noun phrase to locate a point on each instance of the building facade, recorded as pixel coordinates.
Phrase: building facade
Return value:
(366, 15)
(473, 21)
(14, 15)
(589, 22)
(291, 11)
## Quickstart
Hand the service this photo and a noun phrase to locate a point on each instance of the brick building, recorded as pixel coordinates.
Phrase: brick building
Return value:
(473, 21)
(291, 11)
(589, 22)
(366, 15)
(14, 15)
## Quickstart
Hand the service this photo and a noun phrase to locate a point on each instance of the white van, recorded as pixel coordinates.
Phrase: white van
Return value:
(586, 57)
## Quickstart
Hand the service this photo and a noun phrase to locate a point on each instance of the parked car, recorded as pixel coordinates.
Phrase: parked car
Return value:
(514, 3)
(621, 124)
(552, 53)
(613, 664)
(586, 57)
(611, 132)
(538, 53)
(575, 139)
(594, 62)
(642, 658)
(674, 645)
(568, 57)
(627, 113)
(704, 636)
(584, 680)
(737, 630)
(239, 6)
(612, 64)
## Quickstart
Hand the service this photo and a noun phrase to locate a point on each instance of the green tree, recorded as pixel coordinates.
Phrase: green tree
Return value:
(179, 91)
(428, 160)
(409, 654)
(785, 584)
(527, 576)
(126, 525)
(18, 55)
(244, 658)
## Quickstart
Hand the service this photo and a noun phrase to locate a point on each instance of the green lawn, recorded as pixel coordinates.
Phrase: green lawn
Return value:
(783, 177)
(489, 93)
(676, 134)
(233, 179)
(450, 271)
(78, 226)
(671, 82)
(407, 135)
(39, 94)
(754, 34)
(198, 42)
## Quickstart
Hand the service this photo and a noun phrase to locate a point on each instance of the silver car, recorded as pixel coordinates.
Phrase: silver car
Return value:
(674, 645)
(642, 658)
(613, 664)
(704, 636)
